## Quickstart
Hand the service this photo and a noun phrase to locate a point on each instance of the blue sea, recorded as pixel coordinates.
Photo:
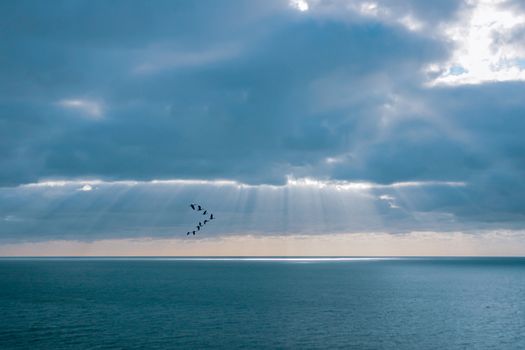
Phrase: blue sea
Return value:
(166, 303)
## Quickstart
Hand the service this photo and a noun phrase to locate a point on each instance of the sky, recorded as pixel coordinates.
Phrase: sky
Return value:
(308, 127)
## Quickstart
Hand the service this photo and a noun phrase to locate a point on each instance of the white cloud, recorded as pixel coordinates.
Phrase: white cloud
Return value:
(87, 185)
(346, 9)
(338, 159)
(300, 5)
(334, 160)
(158, 58)
(62, 183)
(11, 218)
(390, 200)
(89, 108)
(410, 22)
(356, 186)
(369, 8)
(481, 37)
(86, 188)
(483, 49)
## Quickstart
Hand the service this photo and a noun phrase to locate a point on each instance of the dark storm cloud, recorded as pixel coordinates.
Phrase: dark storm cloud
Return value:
(252, 92)
(183, 95)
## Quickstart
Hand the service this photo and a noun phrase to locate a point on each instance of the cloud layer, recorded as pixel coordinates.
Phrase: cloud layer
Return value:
(255, 93)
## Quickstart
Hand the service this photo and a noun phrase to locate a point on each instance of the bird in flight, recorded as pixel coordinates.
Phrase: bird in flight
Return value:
(198, 207)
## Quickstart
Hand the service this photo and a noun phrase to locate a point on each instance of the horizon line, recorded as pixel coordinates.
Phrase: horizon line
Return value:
(267, 258)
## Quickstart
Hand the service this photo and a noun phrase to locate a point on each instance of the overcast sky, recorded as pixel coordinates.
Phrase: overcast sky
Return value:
(286, 118)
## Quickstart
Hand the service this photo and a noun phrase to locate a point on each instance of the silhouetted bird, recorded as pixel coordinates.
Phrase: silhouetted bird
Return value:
(201, 224)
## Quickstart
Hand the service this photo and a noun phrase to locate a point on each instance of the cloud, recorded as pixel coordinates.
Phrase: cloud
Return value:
(73, 210)
(257, 126)
(89, 108)
(409, 14)
(300, 5)
(262, 98)
(158, 59)
(484, 47)
(482, 34)
(86, 188)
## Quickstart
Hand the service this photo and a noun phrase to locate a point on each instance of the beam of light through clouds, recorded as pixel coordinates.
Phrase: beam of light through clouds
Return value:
(95, 209)
(289, 118)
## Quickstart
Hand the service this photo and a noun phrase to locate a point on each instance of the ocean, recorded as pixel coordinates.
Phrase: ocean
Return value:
(166, 303)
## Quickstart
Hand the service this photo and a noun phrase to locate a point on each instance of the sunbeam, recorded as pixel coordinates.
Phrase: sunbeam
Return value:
(159, 209)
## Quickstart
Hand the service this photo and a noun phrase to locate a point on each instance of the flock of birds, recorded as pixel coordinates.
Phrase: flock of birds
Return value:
(197, 207)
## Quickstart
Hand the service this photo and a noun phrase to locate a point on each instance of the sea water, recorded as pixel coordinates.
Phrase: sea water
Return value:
(414, 303)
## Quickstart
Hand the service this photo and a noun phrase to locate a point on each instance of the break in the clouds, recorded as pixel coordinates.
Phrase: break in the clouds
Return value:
(325, 116)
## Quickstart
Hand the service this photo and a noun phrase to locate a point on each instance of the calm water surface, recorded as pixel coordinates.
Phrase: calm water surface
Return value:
(354, 304)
